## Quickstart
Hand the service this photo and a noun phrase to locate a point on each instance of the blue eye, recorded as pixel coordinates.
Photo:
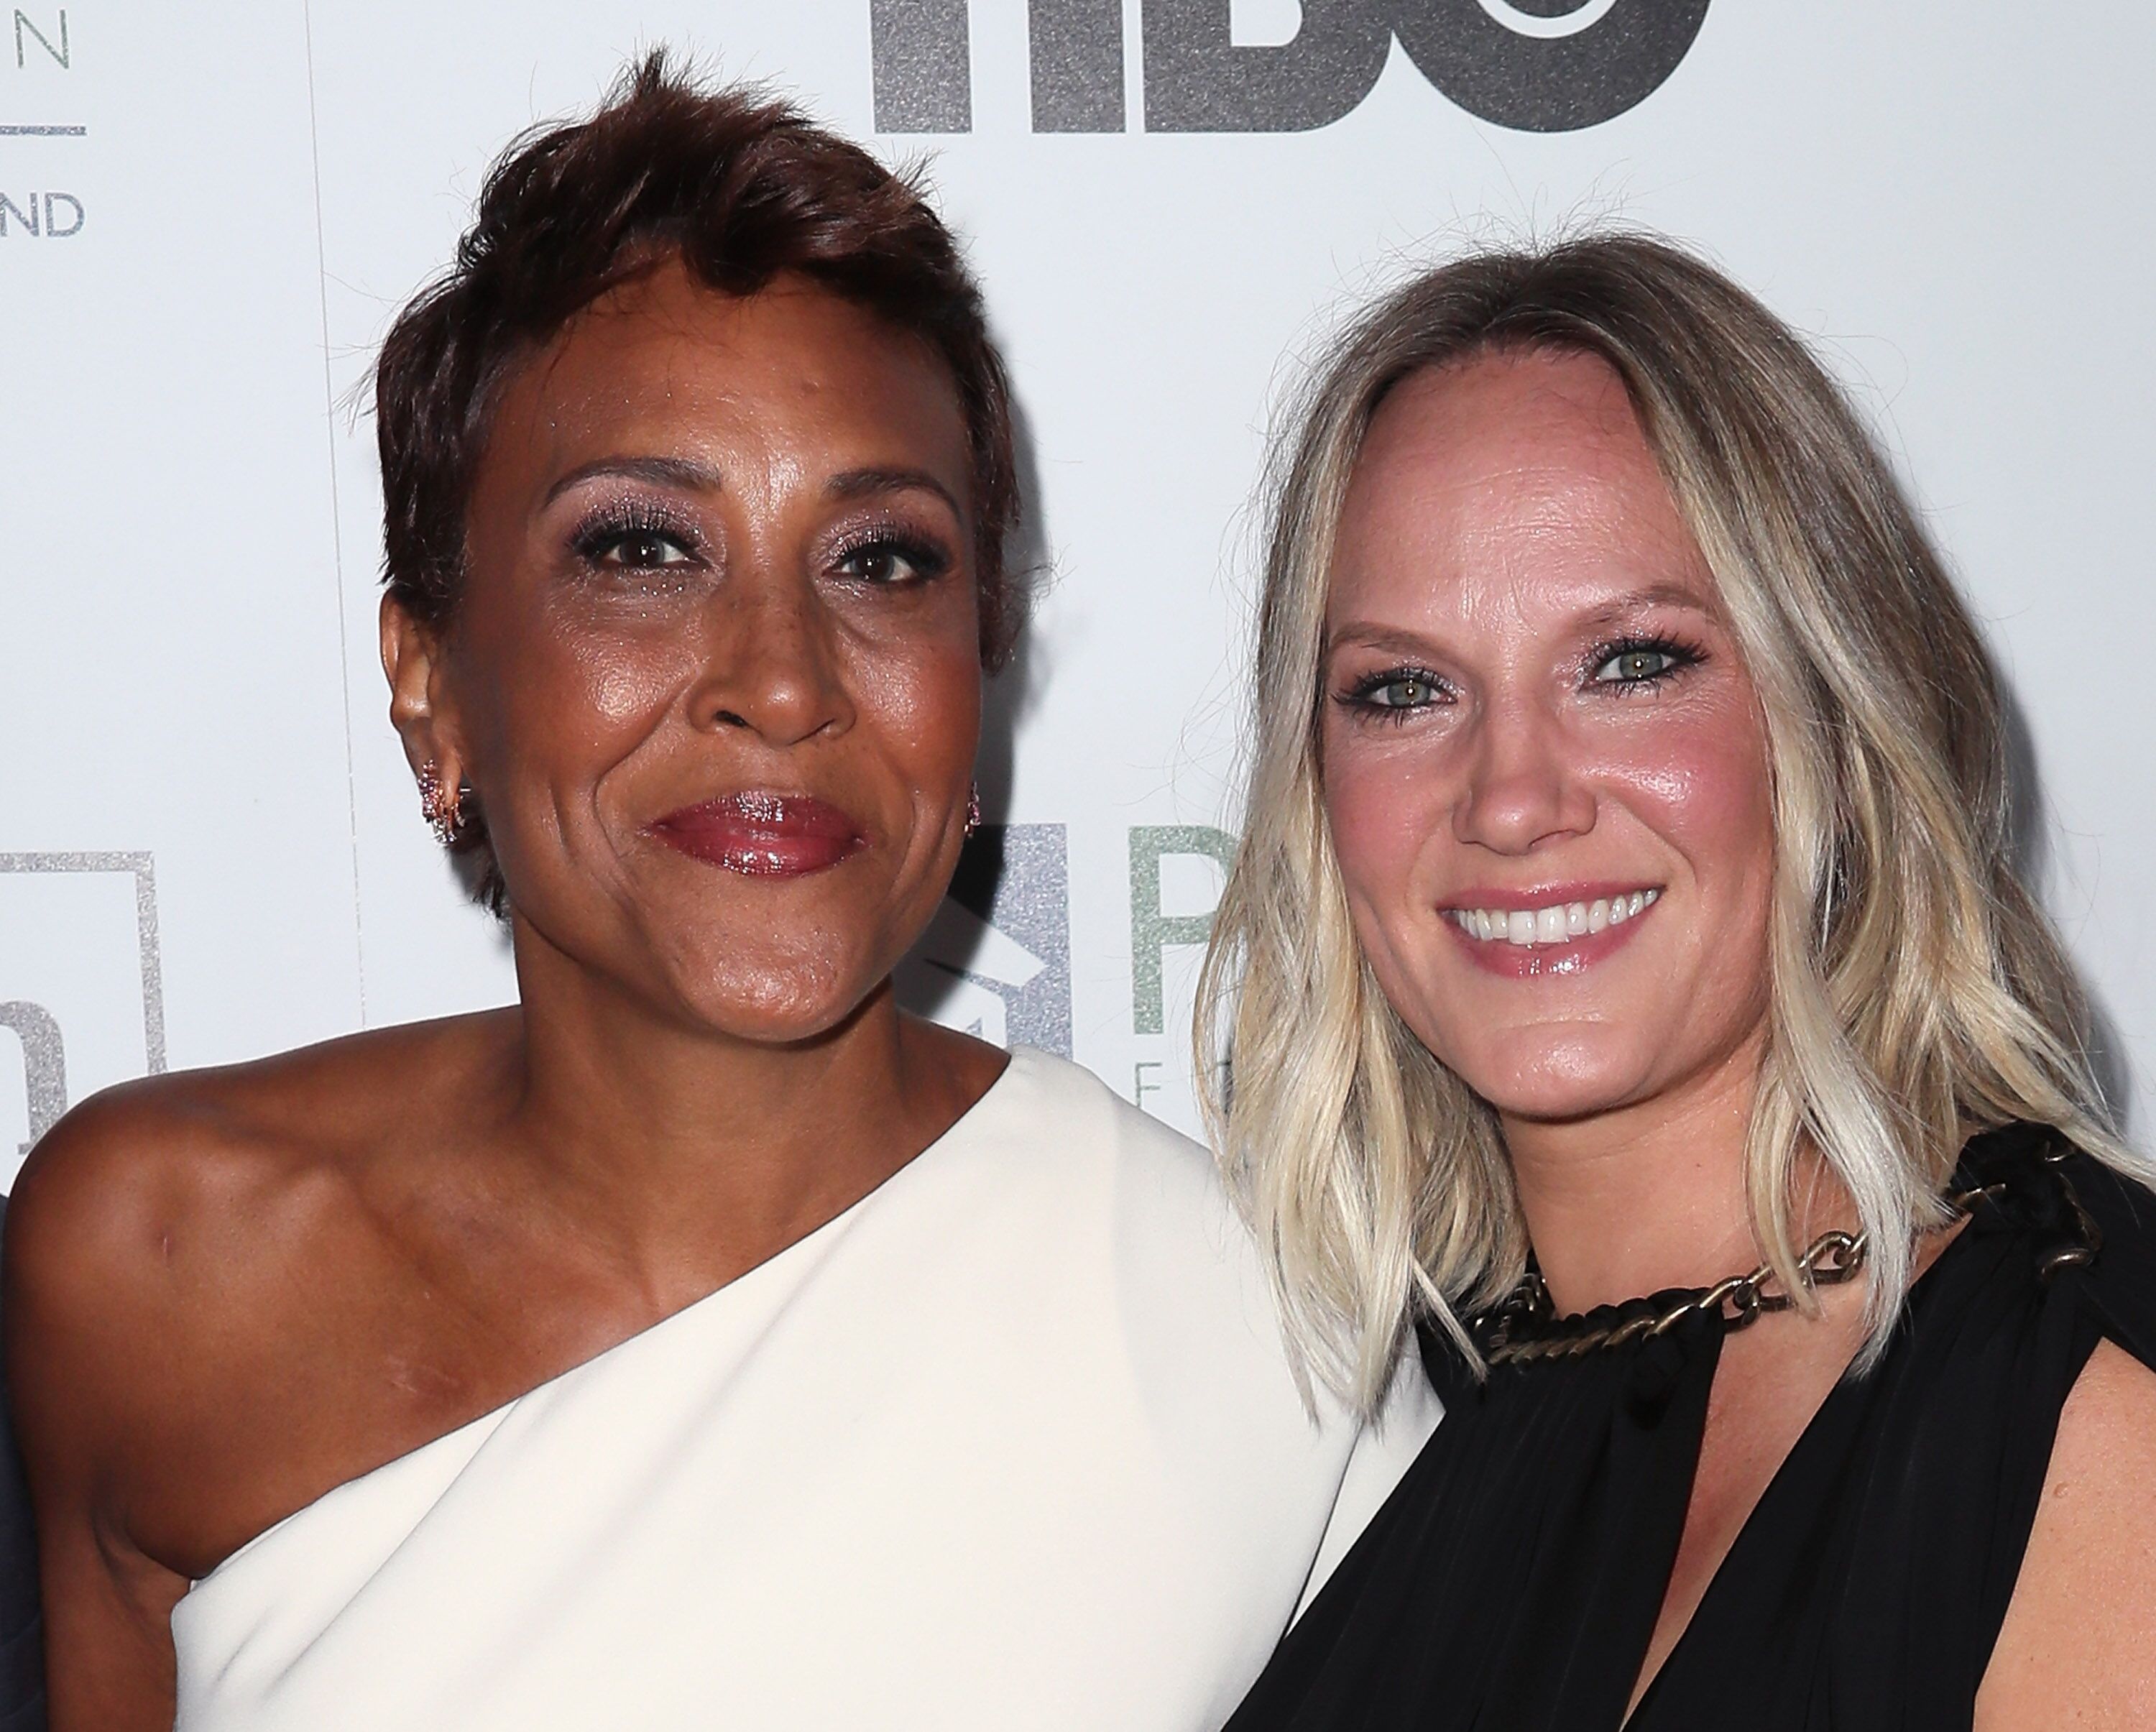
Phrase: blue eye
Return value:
(1640, 662)
(1410, 691)
(1394, 694)
(1636, 664)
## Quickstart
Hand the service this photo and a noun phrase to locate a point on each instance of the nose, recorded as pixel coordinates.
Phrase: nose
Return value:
(1525, 786)
(771, 665)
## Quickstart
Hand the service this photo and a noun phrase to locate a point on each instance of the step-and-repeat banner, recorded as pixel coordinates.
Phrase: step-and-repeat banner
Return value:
(210, 846)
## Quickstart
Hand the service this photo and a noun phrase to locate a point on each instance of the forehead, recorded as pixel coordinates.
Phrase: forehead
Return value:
(1522, 480)
(666, 364)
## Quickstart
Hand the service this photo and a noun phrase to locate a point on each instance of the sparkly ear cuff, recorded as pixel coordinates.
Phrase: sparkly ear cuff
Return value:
(442, 806)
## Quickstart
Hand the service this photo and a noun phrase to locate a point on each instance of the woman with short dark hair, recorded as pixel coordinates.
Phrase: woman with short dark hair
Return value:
(699, 1341)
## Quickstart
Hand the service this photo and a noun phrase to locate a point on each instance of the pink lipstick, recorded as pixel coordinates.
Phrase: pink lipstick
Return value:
(762, 834)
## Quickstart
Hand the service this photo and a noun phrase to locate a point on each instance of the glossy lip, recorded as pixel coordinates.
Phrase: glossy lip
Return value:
(1536, 962)
(763, 832)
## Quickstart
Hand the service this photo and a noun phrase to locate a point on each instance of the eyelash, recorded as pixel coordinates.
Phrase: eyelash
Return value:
(610, 525)
(1361, 696)
(928, 559)
(1683, 657)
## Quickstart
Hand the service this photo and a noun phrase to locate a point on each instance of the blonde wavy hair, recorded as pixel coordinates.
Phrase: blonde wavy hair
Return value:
(1918, 994)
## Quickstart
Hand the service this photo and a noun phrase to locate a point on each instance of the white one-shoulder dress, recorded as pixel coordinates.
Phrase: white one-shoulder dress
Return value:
(1011, 1443)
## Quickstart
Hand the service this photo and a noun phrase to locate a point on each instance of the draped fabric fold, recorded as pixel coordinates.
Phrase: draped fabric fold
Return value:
(1011, 1441)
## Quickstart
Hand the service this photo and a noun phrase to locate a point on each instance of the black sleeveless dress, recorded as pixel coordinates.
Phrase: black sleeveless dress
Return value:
(1512, 1582)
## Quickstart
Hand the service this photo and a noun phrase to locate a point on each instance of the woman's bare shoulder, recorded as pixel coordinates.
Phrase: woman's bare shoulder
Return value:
(164, 1225)
(2078, 1647)
(123, 1177)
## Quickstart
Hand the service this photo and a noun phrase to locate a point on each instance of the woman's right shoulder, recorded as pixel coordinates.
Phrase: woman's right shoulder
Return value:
(159, 1214)
(123, 1171)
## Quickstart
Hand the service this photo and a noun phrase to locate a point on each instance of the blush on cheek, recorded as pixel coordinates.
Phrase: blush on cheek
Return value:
(1382, 817)
(1381, 831)
(1709, 789)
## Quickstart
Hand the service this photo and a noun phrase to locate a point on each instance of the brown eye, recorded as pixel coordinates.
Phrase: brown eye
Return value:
(887, 560)
(642, 550)
(635, 535)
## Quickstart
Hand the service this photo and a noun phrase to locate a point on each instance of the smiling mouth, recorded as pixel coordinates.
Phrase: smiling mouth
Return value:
(1555, 924)
(760, 833)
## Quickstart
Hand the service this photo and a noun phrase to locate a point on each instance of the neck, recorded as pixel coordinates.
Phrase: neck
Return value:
(687, 1148)
(1651, 1195)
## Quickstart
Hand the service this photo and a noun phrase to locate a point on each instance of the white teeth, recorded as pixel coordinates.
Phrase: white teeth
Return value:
(1557, 924)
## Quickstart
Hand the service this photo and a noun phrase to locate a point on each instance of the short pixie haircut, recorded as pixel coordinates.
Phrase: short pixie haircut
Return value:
(741, 189)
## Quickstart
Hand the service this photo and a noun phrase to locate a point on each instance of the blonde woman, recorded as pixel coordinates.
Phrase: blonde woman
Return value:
(1627, 984)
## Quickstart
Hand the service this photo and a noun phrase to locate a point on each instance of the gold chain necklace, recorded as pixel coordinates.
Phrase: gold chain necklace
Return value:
(1525, 1327)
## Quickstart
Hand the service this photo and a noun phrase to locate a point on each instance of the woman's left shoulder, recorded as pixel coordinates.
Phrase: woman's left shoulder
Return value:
(2078, 1643)
(1096, 1136)
(1136, 1211)
(2078, 1647)
(2069, 1211)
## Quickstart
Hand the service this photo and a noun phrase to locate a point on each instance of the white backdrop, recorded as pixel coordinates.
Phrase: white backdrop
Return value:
(210, 847)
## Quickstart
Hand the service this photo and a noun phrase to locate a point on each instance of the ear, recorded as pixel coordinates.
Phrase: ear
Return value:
(419, 707)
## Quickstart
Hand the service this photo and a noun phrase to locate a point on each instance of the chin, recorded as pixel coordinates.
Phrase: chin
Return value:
(1555, 1075)
(758, 994)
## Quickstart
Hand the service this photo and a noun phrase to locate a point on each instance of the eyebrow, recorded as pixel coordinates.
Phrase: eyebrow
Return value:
(1389, 640)
(1382, 639)
(699, 477)
(1654, 595)
(867, 483)
(685, 472)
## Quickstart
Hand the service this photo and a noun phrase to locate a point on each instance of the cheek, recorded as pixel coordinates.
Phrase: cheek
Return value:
(545, 672)
(1705, 788)
(623, 680)
(1384, 801)
(579, 692)
(922, 698)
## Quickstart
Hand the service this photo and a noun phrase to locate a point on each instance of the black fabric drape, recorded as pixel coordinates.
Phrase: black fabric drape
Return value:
(22, 1629)
(1513, 1579)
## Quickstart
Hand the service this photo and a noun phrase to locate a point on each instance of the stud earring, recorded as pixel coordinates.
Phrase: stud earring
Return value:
(973, 810)
(442, 806)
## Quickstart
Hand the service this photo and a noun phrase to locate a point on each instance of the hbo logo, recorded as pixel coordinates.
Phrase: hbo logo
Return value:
(1537, 65)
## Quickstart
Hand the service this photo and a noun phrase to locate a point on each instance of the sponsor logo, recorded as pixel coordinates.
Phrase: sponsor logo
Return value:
(81, 986)
(1152, 930)
(46, 42)
(42, 48)
(62, 214)
(1534, 65)
(996, 960)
